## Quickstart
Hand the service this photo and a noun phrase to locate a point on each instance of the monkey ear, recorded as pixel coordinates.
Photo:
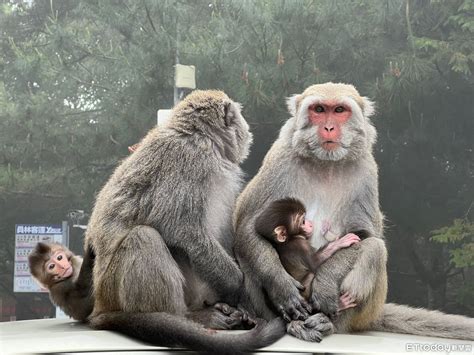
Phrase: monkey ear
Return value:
(368, 107)
(280, 233)
(292, 103)
(42, 248)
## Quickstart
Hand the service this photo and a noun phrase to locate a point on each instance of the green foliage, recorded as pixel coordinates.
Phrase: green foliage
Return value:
(460, 238)
(80, 80)
(465, 295)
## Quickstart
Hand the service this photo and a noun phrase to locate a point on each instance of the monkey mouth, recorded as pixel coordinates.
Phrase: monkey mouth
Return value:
(330, 145)
(67, 273)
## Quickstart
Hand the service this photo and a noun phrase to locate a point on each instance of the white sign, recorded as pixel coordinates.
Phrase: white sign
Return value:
(185, 76)
(163, 117)
(26, 238)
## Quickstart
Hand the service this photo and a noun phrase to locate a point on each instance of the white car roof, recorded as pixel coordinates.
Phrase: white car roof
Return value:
(64, 335)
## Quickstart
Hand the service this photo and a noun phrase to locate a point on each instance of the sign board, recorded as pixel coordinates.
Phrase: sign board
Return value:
(26, 237)
(162, 117)
(185, 76)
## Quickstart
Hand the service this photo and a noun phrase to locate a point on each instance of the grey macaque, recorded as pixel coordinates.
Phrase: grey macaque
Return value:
(323, 156)
(162, 233)
(67, 277)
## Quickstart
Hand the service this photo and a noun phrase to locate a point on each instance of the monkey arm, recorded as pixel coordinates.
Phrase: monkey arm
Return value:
(363, 216)
(84, 279)
(260, 258)
(316, 258)
(267, 282)
(75, 296)
(211, 262)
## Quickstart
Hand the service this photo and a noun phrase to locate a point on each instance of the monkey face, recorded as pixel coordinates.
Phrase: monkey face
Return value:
(331, 122)
(307, 228)
(59, 266)
(329, 117)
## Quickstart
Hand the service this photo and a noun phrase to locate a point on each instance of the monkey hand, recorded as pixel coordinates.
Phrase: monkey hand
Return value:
(289, 302)
(221, 316)
(234, 317)
(343, 242)
(312, 329)
(325, 227)
(346, 301)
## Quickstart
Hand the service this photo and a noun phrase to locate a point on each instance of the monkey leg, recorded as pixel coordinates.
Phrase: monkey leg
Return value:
(325, 295)
(360, 271)
(139, 276)
(360, 281)
(325, 288)
(367, 284)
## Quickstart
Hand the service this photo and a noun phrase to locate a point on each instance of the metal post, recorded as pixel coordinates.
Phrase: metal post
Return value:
(176, 61)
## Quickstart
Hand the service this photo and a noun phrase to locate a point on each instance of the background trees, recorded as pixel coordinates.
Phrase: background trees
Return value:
(82, 80)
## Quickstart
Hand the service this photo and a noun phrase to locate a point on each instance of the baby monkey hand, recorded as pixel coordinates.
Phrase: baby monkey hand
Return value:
(340, 243)
(346, 301)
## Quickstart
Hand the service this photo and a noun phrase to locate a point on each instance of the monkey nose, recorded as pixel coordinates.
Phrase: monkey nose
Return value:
(329, 128)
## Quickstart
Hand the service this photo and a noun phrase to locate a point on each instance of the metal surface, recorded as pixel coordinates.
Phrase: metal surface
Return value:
(63, 335)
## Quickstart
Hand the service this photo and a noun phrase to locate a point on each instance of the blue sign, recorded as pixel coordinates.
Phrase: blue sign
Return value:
(26, 238)
(38, 229)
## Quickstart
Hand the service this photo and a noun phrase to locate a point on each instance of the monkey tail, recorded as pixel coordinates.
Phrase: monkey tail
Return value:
(418, 321)
(163, 329)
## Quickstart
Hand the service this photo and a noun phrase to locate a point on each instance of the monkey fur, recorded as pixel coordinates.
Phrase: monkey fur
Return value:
(323, 156)
(285, 225)
(161, 230)
(72, 294)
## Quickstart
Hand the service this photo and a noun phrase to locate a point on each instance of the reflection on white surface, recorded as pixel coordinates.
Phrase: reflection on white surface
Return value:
(63, 335)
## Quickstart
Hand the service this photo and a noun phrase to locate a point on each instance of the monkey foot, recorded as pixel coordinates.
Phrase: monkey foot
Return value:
(312, 329)
(295, 306)
(230, 318)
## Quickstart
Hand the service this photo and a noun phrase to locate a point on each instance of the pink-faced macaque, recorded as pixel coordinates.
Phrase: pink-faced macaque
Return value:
(324, 157)
(67, 277)
(285, 225)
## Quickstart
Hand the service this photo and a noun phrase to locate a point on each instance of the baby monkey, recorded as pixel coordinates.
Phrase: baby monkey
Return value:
(284, 224)
(67, 277)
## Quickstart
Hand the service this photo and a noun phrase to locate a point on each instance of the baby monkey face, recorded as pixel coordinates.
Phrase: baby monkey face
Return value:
(303, 226)
(307, 227)
(59, 266)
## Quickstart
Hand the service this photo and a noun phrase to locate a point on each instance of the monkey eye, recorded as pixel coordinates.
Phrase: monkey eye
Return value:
(318, 108)
(60, 257)
(339, 109)
(51, 266)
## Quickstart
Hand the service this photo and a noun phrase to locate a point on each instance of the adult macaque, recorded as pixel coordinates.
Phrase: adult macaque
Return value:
(65, 275)
(323, 157)
(161, 230)
(285, 225)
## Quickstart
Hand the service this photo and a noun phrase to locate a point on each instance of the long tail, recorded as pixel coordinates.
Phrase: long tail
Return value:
(418, 321)
(163, 329)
